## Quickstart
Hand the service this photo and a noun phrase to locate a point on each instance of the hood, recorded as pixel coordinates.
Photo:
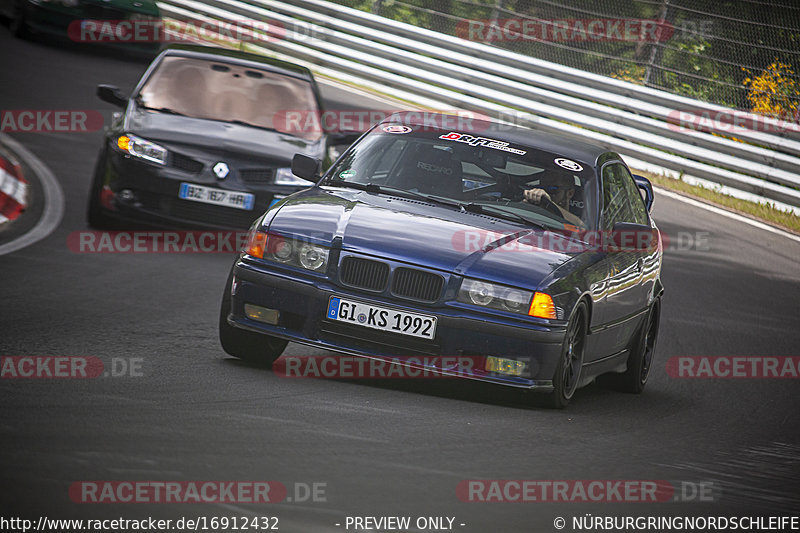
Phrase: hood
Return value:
(417, 233)
(216, 136)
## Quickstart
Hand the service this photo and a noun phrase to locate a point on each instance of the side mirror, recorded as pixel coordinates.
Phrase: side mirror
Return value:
(306, 167)
(343, 137)
(112, 95)
(645, 185)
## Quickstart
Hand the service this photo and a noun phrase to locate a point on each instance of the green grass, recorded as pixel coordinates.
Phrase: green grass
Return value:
(765, 212)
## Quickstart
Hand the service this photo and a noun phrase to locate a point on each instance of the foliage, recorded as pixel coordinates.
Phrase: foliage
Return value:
(775, 92)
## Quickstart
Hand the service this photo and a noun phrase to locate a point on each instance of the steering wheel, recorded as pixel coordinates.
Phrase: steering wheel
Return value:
(502, 185)
(549, 205)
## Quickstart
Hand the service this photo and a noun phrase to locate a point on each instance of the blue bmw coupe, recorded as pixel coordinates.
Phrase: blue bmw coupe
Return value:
(531, 256)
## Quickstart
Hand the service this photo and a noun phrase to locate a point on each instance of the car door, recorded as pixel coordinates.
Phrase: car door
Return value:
(624, 299)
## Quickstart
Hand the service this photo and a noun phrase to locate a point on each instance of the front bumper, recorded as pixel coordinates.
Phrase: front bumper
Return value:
(303, 304)
(155, 196)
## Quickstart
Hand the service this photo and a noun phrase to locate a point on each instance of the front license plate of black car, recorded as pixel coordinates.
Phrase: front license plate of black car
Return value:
(210, 195)
(382, 318)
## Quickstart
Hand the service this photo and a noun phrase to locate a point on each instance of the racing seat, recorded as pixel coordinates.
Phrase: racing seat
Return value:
(576, 204)
(430, 170)
(189, 92)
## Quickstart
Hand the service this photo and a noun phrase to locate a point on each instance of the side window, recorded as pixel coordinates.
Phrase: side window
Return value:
(621, 199)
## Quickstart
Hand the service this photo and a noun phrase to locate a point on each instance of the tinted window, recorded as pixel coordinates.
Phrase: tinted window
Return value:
(621, 199)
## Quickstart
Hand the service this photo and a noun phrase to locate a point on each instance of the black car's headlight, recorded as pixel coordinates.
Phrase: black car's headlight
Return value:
(284, 176)
(504, 298)
(141, 148)
(287, 251)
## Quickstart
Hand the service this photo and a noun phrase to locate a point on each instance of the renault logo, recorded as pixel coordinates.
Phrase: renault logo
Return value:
(221, 170)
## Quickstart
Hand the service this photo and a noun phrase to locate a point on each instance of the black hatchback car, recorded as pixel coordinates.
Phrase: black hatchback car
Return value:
(201, 142)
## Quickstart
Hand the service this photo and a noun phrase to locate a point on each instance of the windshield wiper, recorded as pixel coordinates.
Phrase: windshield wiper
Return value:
(166, 110)
(375, 188)
(504, 213)
(243, 123)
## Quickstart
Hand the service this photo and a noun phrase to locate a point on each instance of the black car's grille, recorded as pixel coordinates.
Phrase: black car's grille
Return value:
(257, 175)
(364, 273)
(211, 214)
(416, 284)
(187, 164)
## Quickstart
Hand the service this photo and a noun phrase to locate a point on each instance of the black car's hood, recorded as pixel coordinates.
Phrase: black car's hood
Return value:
(218, 136)
(414, 232)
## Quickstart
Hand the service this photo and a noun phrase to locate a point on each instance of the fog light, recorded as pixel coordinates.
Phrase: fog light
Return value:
(262, 314)
(510, 367)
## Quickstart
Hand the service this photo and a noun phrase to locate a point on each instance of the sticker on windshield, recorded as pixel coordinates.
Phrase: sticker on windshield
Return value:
(568, 164)
(396, 128)
(347, 174)
(481, 141)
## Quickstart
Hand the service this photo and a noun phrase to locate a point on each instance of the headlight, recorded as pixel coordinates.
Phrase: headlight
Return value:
(504, 298)
(494, 296)
(284, 176)
(287, 251)
(138, 147)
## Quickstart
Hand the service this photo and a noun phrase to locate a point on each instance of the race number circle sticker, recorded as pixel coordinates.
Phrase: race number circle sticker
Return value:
(568, 164)
(396, 128)
(347, 174)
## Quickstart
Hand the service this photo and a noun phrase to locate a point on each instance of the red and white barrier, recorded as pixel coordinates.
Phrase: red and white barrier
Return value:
(13, 190)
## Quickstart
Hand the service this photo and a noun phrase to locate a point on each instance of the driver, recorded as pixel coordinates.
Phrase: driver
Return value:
(557, 189)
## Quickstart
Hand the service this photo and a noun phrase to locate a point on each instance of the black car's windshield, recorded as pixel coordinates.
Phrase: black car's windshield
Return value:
(216, 90)
(478, 172)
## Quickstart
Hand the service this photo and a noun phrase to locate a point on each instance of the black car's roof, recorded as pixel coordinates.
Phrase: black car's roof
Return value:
(235, 56)
(548, 142)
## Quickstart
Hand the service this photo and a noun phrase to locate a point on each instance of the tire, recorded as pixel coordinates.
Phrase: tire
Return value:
(255, 348)
(94, 213)
(19, 23)
(568, 371)
(640, 360)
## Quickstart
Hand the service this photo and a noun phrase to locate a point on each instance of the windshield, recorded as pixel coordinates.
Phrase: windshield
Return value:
(231, 93)
(482, 174)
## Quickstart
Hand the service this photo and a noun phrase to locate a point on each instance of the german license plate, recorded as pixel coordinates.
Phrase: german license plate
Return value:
(210, 195)
(381, 318)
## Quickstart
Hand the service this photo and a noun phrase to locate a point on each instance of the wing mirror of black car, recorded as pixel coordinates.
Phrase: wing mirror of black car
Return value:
(645, 185)
(629, 237)
(112, 95)
(343, 137)
(306, 167)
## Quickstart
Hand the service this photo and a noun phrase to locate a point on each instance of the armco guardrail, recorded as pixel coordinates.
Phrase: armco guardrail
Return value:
(634, 120)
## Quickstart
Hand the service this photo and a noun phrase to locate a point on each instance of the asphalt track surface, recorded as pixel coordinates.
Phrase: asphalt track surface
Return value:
(381, 448)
